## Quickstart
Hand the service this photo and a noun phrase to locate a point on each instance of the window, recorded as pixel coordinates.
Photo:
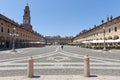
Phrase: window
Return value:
(8, 31)
(1, 23)
(115, 29)
(109, 30)
(25, 12)
(97, 34)
(104, 31)
(1, 29)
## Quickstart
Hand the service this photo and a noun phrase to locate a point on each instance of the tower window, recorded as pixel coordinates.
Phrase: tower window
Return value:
(25, 12)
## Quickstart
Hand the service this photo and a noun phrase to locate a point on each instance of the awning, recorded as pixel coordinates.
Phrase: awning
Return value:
(85, 42)
(102, 41)
(117, 40)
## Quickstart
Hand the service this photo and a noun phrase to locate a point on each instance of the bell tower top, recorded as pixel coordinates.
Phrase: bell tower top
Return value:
(27, 18)
(27, 3)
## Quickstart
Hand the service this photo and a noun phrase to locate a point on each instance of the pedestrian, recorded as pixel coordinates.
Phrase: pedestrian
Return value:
(62, 47)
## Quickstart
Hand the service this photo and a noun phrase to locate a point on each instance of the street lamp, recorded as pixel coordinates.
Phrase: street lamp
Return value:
(104, 48)
(14, 34)
(104, 39)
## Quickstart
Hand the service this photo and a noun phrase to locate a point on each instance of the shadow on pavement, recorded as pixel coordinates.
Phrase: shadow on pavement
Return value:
(36, 77)
(93, 76)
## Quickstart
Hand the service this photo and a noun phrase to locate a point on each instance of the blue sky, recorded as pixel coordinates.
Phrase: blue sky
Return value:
(61, 17)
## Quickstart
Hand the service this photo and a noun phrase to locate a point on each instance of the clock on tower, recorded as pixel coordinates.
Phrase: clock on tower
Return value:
(25, 21)
(27, 18)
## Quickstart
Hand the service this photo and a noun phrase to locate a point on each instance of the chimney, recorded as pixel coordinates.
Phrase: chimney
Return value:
(111, 18)
(102, 21)
(94, 26)
(108, 19)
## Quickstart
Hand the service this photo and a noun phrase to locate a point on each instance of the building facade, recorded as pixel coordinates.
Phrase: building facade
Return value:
(26, 36)
(58, 40)
(108, 31)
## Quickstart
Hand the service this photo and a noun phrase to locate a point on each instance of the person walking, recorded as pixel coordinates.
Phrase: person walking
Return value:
(62, 47)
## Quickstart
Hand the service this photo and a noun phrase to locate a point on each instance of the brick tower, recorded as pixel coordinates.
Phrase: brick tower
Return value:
(26, 18)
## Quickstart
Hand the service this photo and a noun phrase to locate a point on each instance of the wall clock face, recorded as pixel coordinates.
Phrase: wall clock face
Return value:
(26, 21)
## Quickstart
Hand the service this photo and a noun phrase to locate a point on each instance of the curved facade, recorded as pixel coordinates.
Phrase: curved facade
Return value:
(111, 27)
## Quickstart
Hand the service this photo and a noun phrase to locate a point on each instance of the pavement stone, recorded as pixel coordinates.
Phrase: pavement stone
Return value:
(107, 64)
(61, 77)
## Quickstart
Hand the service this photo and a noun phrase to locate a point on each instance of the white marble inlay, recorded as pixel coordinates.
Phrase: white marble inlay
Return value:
(58, 58)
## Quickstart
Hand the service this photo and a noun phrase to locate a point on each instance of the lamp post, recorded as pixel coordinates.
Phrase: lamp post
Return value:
(14, 34)
(104, 48)
(104, 44)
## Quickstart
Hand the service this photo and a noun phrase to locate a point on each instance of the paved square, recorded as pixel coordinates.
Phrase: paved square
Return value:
(51, 60)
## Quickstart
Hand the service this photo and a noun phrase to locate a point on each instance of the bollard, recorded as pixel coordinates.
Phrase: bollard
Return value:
(86, 66)
(30, 67)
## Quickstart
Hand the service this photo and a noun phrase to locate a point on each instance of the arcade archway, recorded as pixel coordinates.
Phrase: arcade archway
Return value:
(2, 42)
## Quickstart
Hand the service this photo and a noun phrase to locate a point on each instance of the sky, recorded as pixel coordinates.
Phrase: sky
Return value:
(61, 17)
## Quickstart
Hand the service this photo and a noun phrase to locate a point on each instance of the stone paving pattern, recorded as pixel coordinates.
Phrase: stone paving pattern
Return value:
(61, 77)
(51, 60)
